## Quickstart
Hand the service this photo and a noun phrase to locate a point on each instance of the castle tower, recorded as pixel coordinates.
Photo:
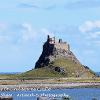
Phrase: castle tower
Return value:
(48, 38)
(60, 40)
(54, 39)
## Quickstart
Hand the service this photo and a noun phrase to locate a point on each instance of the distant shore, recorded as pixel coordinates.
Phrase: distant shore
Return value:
(47, 86)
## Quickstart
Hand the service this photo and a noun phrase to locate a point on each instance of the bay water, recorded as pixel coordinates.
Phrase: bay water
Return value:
(75, 94)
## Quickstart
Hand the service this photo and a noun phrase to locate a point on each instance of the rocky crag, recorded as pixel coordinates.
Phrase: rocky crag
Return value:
(57, 57)
(53, 50)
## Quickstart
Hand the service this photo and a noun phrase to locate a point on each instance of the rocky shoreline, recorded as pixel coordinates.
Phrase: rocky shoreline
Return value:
(47, 86)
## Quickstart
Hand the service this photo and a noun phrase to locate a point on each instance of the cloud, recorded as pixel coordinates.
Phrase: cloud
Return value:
(37, 6)
(95, 34)
(27, 32)
(48, 5)
(25, 5)
(51, 7)
(91, 31)
(89, 26)
(15, 34)
(83, 4)
(22, 33)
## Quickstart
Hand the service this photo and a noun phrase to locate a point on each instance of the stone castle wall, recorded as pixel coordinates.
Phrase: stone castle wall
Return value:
(58, 44)
(63, 46)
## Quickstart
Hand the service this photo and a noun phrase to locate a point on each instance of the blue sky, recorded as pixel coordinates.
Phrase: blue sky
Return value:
(24, 25)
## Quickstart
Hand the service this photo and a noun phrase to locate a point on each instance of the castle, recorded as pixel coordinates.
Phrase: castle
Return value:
(53, 49)
(58, 44)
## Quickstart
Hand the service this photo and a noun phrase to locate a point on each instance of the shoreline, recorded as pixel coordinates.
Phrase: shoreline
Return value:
(48, 86)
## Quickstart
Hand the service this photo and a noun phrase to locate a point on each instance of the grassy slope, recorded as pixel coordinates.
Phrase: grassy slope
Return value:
(71, 70)
(38, 73)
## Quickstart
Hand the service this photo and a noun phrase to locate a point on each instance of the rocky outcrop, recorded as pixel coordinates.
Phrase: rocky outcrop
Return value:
(51, 52)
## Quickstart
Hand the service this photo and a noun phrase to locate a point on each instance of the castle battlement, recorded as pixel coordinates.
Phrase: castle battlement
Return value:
(58, 44)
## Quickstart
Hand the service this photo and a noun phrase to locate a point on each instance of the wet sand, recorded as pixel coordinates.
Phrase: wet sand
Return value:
(45, 86)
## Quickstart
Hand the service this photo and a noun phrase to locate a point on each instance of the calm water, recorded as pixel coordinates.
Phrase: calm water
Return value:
(76, 94)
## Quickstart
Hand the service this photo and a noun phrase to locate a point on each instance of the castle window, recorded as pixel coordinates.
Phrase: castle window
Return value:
(60, 40)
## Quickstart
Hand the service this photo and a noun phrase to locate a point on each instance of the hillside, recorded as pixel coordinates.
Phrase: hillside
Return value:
(71, 70)
(57, 60)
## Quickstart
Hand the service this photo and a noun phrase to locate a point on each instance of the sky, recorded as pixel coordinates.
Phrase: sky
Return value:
(25, 24)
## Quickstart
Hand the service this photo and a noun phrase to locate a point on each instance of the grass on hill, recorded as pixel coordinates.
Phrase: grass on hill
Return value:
(39, 73)
(72, 69)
